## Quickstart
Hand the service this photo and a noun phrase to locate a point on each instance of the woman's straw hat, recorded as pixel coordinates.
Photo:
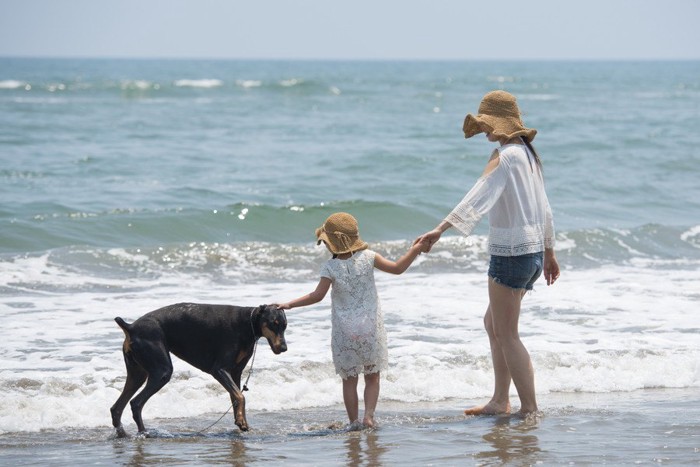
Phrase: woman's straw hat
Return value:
(498, 115)
(341, 234)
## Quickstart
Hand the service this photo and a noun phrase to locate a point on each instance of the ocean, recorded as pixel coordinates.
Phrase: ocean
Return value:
(127, 185)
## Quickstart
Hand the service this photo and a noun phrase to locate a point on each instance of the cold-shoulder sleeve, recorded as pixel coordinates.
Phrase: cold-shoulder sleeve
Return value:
(548, 226)
(479, 200)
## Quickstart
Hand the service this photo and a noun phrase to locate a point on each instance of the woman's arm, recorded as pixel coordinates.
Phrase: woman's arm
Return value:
(309, 299)
(474, 205)
(398, 267)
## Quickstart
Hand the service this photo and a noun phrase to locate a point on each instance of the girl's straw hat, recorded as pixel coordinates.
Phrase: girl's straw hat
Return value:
(341, 234)
(498, 115)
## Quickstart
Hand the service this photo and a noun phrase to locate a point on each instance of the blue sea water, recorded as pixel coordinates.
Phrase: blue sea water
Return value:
(126, 185)
(137, 153)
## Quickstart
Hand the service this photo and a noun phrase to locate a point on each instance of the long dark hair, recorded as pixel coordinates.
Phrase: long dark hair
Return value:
(532, 150)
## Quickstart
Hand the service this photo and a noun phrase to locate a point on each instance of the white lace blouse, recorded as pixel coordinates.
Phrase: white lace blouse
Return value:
(513, 195)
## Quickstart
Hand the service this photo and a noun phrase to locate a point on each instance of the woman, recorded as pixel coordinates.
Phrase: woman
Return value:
(521, 241)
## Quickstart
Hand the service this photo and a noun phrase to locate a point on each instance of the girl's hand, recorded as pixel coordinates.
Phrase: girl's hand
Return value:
(283, 306)
(423, 245)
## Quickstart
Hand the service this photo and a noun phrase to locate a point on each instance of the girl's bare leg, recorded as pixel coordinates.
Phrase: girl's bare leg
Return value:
(350, 397)
(371, 398)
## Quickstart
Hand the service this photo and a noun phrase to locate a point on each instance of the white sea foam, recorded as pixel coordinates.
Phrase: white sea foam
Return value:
(248, 83)
(56, 87)
(290, 82)
(139, 85)
(12, 84)
(61, 365)
(198, 83)
(692, 236)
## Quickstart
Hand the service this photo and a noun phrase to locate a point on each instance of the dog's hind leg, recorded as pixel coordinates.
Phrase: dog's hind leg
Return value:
(155, 360)
(237, 398)
(135, 377)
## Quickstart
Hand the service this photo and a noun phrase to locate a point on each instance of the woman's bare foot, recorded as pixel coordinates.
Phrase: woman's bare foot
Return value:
(492, 408)
(526, 414)
(368, 422)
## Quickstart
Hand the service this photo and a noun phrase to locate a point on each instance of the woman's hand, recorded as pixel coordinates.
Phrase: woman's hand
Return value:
(428, 239)
(551, 266)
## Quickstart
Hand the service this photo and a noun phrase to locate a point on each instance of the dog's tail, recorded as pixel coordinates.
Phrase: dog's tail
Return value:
(126, 347)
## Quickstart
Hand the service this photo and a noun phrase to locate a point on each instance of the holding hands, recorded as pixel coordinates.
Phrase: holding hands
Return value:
(427, 240)
(423, 245)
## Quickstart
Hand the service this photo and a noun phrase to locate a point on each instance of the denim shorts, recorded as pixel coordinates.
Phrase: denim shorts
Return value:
(516, 272)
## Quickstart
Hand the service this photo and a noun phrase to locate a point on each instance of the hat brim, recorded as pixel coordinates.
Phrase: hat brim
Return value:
(321, 236)
(357, 245)
(501, 128)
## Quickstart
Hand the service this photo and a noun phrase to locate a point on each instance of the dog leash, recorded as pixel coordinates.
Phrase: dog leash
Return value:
(201, 432)
(255, 348)
(245, 385)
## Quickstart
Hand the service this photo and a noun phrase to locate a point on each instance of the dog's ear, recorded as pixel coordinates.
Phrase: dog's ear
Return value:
(262, 307)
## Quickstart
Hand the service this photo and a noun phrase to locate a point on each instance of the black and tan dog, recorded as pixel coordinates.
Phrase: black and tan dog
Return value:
(217, 339)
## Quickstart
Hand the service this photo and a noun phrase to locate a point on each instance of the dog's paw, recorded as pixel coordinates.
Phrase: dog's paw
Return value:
(242, 425)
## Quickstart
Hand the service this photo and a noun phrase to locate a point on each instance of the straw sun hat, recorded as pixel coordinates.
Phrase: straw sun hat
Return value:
(498, 115)
(341, 234)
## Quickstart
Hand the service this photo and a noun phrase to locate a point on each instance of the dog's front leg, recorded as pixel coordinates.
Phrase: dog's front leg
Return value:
(237, 398)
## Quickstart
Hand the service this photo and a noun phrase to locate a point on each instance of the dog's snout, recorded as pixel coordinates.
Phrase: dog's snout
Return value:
(283, 346)
(278, 345)
(274, 333)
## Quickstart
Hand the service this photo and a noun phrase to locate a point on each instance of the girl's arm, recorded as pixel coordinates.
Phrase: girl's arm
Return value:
(403, 263)
(309, 299)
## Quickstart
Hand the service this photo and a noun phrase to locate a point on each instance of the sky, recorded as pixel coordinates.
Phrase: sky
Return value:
(349, 30)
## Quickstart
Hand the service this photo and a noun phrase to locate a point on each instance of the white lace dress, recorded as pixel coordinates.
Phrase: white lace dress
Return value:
(358, 337)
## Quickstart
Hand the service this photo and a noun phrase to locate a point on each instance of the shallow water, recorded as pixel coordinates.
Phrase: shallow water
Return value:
(641, 427)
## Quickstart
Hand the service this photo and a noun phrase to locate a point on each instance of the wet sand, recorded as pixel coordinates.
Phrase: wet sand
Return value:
(642, 427)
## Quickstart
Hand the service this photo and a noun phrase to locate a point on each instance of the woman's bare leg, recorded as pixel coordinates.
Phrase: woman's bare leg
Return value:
(500, 402)
(504, 303)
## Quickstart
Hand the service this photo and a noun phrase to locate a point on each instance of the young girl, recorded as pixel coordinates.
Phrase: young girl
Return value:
(358, 337)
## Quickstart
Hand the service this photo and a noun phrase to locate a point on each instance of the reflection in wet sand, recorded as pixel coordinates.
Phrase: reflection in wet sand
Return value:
(363, 448)
(511, 438)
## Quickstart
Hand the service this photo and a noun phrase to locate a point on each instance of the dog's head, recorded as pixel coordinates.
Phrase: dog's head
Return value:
(273, 323)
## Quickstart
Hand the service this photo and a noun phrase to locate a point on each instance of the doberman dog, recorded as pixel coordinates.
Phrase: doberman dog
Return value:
(217, 339)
